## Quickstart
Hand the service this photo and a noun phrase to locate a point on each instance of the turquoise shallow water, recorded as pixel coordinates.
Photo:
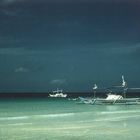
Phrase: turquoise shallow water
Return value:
(60, 119)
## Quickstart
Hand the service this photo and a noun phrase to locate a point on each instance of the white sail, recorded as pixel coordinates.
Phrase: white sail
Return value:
(124, 84)
(95, 87)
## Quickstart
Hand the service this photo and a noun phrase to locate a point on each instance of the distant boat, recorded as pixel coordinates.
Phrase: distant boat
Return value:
(58, 93)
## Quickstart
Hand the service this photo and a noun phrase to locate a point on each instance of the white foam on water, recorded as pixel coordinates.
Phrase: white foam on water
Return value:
(55, 115)
(118, 118)
(14, 118)
(121, 112)
(15, 124)
(36, 116)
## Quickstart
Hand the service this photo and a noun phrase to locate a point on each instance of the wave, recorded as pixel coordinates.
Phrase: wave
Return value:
(20, 124)
(55, 115)
(120, 112)
(14, 118)
(36, 116)
(117, 118)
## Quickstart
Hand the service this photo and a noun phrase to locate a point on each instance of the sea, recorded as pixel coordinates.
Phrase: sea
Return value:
(63, 119)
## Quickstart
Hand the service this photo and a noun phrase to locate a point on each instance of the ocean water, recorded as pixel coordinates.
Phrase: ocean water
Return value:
(61, 119)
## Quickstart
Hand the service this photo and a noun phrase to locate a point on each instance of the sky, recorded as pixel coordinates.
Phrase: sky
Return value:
(68, 44)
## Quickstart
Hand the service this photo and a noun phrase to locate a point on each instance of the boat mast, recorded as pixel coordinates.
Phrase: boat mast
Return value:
(94, 90)
(124, 85)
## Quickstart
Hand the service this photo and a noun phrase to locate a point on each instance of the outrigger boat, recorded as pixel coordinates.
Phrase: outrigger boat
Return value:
(58, 93)
(116, 99)
(87, 100)
(112, 98)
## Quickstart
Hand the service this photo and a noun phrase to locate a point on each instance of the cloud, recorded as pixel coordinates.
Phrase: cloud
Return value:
(9, 12)
(21, 69)
(117, 48)
(58, 81)
(7, 7)
(12, 51)
(8, 2)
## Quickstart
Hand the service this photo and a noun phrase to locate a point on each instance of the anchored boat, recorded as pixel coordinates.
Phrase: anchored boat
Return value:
(58, 93)
(115, 99)
(112, 98)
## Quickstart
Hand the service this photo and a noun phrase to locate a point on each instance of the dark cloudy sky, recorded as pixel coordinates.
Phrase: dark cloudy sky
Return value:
(69, 44)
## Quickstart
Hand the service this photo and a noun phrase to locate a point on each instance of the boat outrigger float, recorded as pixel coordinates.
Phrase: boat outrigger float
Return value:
(112, 98)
